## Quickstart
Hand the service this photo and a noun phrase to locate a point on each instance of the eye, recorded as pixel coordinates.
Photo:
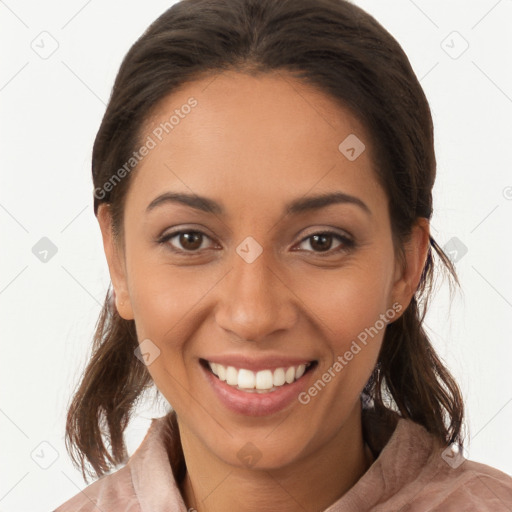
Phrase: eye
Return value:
(322, 242)
(193, 241)
(188, 241)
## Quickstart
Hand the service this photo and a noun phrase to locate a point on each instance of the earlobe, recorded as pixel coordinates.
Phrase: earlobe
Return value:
(408, 271)
(120, 306)
(115, 263)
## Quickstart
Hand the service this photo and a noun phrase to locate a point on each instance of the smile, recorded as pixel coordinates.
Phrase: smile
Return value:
(256, 386)
(263, 381)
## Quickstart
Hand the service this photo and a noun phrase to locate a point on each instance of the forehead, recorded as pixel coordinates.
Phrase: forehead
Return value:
(269, 135)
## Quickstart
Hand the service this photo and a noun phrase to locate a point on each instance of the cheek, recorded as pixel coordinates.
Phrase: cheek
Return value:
(353, 306)
(164, 296)
(351, 299)
(165, 301)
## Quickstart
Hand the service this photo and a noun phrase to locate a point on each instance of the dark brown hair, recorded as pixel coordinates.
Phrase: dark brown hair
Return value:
(344, 53)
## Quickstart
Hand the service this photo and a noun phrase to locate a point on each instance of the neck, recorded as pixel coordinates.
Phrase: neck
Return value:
(312, 483)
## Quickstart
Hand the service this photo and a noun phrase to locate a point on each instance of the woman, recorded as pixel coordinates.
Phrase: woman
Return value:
(263, 183)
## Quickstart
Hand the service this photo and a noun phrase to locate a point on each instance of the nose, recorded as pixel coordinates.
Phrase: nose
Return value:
(256, 300)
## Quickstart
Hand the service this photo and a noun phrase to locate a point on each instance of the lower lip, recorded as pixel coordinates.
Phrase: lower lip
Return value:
(256, 404)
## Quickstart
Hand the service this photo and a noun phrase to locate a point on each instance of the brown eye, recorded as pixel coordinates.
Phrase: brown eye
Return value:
(323, 242)
(184, 241)
(190, 241)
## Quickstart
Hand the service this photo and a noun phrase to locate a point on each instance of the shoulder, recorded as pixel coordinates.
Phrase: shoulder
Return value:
(414, 472)
(146, 480)
(444, 480)
(109, 493)
(471, 485)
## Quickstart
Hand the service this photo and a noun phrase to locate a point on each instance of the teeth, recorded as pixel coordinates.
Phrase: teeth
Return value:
(221, 372)
(279, 377)
(262, 381)
(231, 376)
(246, 379)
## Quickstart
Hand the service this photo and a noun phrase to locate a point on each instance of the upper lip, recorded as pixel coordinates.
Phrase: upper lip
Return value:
(258, 363)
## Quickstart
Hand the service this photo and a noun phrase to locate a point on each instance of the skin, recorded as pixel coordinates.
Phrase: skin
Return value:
(253, 144)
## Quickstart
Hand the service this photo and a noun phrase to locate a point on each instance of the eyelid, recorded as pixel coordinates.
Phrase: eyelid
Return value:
(326, 230)
(347, 242)
(344, 237)
(168, 235)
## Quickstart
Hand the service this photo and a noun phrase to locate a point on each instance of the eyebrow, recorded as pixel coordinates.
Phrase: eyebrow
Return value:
(296, 206)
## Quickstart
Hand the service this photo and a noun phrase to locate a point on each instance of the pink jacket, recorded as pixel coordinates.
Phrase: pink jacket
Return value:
(411, 474)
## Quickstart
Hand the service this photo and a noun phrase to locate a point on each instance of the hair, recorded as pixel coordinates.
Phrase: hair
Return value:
(343, 52)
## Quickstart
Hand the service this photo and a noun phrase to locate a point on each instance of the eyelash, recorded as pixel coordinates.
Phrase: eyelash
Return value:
(346, 242)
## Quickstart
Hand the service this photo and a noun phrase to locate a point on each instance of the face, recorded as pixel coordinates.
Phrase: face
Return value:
(228, 258)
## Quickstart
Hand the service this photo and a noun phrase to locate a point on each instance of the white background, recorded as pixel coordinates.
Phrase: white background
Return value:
(50, 110)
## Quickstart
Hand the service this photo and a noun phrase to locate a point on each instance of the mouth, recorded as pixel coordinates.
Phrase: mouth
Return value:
(266, 380)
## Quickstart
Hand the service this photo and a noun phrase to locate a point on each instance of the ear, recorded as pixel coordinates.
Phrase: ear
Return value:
(116, 263)
(408, 271)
